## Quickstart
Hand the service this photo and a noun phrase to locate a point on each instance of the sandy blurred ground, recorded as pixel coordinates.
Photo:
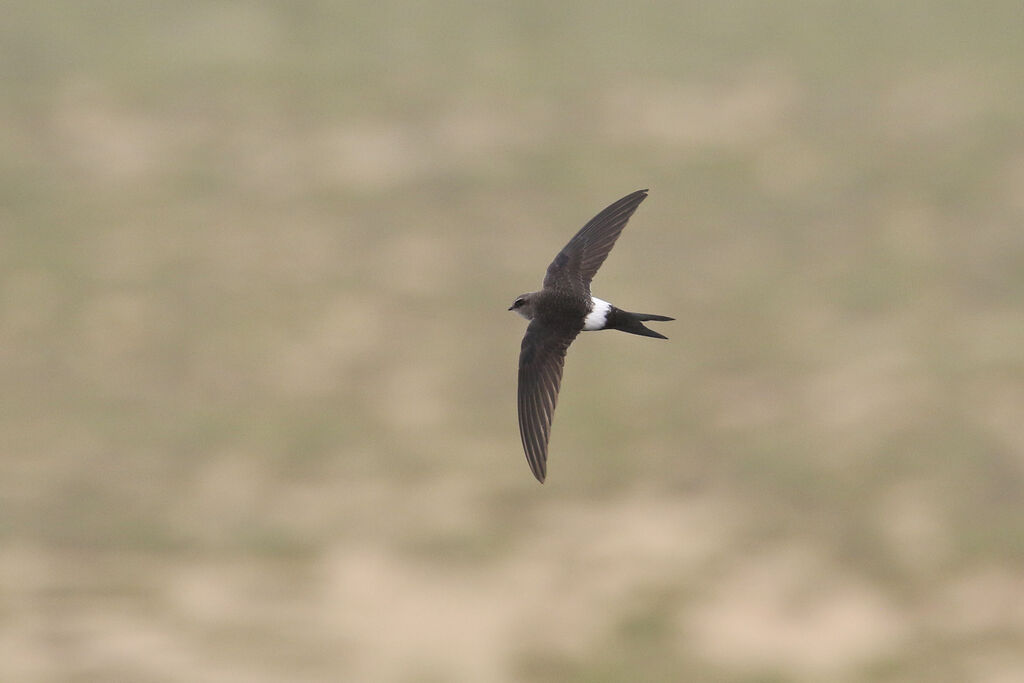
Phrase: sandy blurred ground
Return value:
(258, 417)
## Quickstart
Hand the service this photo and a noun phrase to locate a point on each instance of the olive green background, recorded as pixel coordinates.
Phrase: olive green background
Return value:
(258, 421)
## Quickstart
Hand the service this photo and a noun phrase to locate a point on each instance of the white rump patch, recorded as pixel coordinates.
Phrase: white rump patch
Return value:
(598, 316)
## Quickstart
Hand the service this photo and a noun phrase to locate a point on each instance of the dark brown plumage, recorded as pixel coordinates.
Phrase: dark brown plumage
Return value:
(559, 312)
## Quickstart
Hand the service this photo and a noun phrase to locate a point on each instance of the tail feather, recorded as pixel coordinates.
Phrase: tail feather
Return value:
(631, 323)
(639, 328)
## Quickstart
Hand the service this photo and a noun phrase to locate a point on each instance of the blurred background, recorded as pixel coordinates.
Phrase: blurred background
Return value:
(258, 416)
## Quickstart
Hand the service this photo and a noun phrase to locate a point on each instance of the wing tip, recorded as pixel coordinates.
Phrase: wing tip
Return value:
(537, 465)
(634, 198)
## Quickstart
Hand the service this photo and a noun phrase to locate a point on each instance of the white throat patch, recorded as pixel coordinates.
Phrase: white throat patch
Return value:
(598, 315)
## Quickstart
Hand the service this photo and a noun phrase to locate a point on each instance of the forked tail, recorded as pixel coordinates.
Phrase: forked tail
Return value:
(631, 323)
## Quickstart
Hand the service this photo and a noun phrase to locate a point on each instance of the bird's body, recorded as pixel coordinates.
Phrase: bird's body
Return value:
(558, 313)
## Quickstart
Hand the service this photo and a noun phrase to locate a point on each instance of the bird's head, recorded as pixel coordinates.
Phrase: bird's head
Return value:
(523, 305)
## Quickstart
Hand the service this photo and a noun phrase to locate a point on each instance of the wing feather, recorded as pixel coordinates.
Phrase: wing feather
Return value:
(578, 261)
(540, 375)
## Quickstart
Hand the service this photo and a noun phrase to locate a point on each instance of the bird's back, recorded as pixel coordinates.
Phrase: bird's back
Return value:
(559, 309)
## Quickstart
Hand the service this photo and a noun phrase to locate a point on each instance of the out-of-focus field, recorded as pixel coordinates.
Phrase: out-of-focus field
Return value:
(258, 421)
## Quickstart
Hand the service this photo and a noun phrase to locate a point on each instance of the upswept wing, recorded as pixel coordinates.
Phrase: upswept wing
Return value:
(574, 267)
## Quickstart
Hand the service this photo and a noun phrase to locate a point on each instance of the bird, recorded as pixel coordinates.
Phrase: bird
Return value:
(558, 312)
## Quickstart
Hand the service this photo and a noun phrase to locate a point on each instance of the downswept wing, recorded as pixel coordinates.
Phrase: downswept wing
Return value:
(575, 266)
(540, 376)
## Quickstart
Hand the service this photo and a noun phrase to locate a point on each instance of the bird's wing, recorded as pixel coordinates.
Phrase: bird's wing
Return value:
(574, 267)
(540, 375)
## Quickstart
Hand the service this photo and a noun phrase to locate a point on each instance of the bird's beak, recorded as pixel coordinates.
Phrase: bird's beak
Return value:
(511, 307)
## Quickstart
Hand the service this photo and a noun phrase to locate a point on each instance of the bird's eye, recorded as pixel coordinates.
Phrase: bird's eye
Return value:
(517, 303)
